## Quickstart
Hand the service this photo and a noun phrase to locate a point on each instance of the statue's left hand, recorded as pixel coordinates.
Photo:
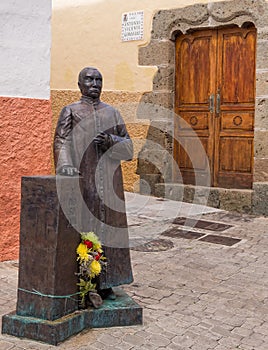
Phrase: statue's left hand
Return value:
(103, 140)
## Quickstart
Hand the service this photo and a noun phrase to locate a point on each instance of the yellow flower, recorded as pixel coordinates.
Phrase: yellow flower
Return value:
(95, 268)
(98, 247)
(82, 252)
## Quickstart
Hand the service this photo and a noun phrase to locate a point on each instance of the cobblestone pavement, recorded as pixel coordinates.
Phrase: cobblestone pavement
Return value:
(195, 294)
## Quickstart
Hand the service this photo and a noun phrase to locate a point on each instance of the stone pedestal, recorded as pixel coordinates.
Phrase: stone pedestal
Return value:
(47, 249)
(120, 312)
(47, 304)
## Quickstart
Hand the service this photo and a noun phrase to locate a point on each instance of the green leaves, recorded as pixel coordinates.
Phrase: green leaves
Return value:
(84, 288)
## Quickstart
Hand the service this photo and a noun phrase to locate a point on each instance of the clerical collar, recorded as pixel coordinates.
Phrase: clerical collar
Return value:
(90, 100)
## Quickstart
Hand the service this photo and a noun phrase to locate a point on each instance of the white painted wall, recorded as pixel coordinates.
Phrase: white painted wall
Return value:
(25, 42)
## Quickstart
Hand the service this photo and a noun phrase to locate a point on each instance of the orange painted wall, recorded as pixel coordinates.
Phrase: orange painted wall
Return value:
(25, 149)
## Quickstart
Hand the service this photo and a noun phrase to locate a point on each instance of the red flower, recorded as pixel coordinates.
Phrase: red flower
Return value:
(89, 244)
(97, 257)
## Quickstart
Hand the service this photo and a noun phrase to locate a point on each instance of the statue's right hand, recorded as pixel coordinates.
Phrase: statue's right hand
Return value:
(68, 170)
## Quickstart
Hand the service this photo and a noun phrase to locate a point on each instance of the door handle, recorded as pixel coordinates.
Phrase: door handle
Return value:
(211, 103)
(218, 104)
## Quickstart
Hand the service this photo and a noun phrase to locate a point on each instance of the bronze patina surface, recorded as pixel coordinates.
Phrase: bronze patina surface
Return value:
(91, 139)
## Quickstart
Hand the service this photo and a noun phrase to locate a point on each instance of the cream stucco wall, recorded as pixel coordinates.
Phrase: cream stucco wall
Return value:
(88, 32)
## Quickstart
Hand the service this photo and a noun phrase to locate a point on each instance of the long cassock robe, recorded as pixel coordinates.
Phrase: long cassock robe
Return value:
(100, 179)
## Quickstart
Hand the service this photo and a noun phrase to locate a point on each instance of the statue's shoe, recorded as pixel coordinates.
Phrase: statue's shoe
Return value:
(95, 299)
(107, 294)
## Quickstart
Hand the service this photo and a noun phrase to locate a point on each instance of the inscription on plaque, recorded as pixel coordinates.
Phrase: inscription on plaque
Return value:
(132, 26)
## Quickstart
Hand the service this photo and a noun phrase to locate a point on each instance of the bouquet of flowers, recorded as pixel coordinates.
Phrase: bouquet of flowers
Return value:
(91, 261)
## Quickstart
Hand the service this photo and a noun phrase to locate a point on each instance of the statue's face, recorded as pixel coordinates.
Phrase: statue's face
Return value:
(91, 83)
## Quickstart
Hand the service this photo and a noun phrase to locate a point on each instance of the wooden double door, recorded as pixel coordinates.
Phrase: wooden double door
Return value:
(214, 107)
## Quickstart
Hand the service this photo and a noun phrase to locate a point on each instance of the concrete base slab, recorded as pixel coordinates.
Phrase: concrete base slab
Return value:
(123, 311)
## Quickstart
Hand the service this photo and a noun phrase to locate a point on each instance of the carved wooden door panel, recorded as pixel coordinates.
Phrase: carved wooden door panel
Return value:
(195, 82)
(214, 105)
(234, 123)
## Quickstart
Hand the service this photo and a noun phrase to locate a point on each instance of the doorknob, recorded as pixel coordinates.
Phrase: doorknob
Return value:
(218, 103)
(211, 103)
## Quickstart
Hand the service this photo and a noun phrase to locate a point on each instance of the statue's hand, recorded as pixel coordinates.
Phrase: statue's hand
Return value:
(68, 170)
(103, 140)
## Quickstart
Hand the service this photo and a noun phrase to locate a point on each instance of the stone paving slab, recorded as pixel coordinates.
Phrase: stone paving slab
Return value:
(196, 295)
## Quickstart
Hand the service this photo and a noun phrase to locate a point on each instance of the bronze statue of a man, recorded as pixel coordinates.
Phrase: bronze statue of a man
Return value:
(90, 141)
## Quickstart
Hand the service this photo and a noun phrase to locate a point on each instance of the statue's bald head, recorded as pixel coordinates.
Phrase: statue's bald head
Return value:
(90, 82)
(85, 70)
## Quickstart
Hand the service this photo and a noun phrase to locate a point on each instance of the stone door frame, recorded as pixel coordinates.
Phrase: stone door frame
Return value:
(160, 52)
